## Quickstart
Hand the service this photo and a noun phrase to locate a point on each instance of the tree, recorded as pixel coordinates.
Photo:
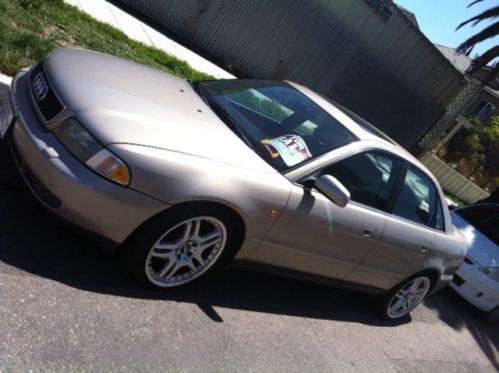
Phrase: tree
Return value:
(475, 154)
(488, 32)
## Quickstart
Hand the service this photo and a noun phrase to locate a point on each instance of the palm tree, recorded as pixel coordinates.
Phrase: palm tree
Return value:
(488, 32)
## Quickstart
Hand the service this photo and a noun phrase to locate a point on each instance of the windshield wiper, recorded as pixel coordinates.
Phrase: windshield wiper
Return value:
(230, 121)
(223, 113)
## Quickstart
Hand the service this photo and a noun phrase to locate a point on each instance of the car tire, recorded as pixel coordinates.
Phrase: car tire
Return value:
(181, 245)
(9, 176)
(405, 297)
(492, 316)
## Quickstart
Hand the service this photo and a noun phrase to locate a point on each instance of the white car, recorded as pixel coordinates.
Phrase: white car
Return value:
(477, 280)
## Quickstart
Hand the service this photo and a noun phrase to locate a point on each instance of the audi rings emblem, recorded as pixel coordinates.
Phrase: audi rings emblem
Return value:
(40, 86)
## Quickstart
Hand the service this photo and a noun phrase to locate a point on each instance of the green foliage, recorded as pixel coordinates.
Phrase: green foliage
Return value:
(490, 133)
(490, 31)
(486, 135)
(262, 105)
(453, 198)
(29, 29)
(473, 154)
(472, 143)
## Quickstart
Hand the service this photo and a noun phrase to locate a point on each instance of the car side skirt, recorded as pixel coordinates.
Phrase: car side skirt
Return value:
(283, 272)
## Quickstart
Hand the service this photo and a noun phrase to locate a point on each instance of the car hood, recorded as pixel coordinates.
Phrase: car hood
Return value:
(120, 101)
(482, 250)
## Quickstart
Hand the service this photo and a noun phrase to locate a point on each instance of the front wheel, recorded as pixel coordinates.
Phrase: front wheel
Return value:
(405, 297)
(493, 315)
(177, 247)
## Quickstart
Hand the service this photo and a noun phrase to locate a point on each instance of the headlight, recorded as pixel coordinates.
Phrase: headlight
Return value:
(492, 272)
(77, 139)
(91, 152)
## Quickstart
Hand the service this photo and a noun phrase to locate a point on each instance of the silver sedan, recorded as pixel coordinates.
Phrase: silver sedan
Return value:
(184, 176)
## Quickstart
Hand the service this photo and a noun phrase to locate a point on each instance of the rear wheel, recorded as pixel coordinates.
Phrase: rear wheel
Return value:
(405, 297)
(180, 245)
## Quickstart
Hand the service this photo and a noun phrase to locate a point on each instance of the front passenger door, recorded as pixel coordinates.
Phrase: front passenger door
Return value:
(314, 235)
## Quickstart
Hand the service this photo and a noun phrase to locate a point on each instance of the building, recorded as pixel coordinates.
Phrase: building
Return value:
(476, 100)
(483, 104)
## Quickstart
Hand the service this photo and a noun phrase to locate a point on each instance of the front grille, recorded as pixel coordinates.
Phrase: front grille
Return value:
(44, 97)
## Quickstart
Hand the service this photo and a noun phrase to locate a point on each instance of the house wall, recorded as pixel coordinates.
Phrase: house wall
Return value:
(488, 96)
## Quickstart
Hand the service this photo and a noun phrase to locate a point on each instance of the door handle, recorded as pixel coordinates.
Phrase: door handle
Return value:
(424, 247)
(368, 230)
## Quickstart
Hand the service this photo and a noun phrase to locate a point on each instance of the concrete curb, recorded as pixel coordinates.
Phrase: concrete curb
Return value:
(137, 30)
(4, 79)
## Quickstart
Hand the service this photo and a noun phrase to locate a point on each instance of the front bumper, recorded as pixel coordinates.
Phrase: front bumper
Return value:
(476, 287)
(66, 186)
(443, 282)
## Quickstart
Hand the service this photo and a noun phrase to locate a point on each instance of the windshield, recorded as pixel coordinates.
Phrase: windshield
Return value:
(484, 218)
(281, 124)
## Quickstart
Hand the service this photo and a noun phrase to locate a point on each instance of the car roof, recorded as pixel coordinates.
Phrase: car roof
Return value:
(364, 130)
(353, 122)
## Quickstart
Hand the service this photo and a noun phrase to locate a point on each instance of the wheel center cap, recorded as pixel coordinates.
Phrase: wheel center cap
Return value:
(185, 248)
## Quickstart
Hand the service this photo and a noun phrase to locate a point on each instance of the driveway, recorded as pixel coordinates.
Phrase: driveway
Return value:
(66, 306)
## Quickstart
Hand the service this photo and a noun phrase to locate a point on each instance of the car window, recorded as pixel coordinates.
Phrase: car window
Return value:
(484, 218)
(490, 228)
(369, 177)
(281, 124)
(417, 200)
(439, 219)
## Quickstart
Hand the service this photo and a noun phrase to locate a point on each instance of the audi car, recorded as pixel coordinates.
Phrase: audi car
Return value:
(184, 176)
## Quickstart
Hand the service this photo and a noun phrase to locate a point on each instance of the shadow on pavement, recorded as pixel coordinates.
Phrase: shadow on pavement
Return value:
(458, 314)
(35, 241)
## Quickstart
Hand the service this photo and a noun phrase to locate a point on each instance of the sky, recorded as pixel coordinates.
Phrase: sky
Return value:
(438, 20)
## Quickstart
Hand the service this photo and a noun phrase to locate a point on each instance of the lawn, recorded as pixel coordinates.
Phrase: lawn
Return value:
(29, 29)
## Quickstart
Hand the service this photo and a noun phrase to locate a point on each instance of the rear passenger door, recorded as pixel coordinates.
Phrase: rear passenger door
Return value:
(415, 214)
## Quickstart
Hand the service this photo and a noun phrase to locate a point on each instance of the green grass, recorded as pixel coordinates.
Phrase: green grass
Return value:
(453, 198)
(30, 29)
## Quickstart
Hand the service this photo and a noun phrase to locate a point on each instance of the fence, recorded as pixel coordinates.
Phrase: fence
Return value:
(365, 54)
(452, 181)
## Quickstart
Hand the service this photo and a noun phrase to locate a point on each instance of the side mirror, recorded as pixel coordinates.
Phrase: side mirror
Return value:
(333, 190)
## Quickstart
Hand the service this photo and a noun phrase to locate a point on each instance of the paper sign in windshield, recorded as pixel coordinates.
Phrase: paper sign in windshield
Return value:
(291, 148)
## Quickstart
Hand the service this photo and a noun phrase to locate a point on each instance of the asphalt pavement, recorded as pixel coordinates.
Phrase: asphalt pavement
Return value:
(65, 306)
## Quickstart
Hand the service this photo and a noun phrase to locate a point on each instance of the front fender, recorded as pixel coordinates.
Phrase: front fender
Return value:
(258, 197)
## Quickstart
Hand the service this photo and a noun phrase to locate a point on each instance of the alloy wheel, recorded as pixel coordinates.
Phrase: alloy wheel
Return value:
(493, 315)
(408, 297)
(185, 251)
